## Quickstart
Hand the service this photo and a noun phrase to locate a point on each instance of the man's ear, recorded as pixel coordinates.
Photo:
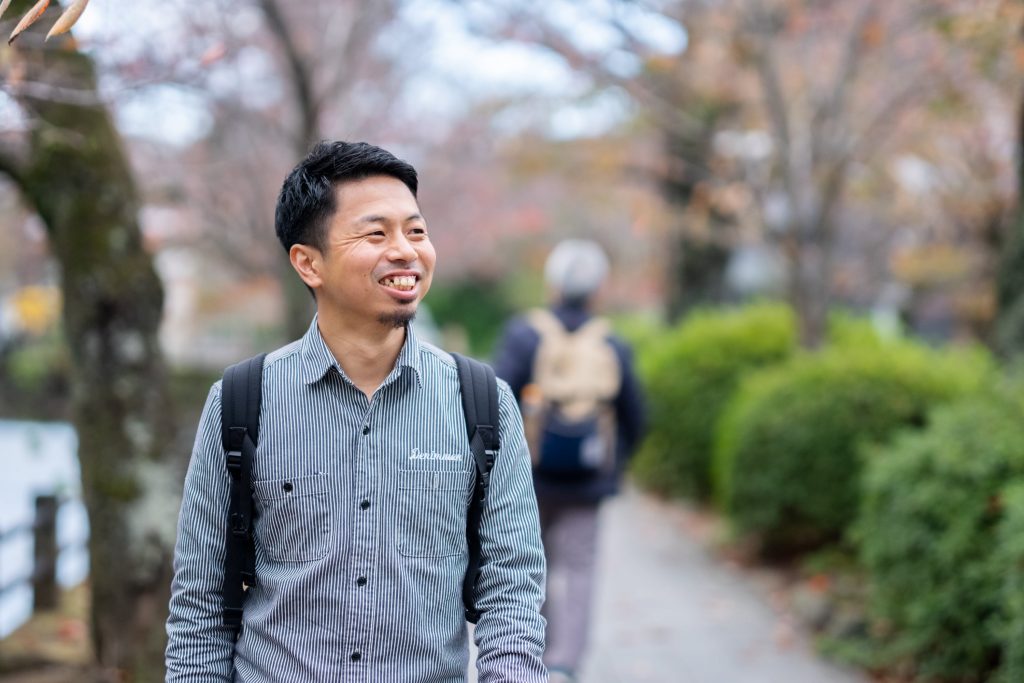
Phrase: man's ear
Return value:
(307, 262)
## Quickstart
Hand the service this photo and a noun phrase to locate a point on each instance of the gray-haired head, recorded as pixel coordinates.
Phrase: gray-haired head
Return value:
(575, 269)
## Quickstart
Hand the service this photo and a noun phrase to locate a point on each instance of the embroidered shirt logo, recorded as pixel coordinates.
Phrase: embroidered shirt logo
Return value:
(417, 454)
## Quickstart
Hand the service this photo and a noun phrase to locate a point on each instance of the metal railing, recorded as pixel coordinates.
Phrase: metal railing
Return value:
(43, 576)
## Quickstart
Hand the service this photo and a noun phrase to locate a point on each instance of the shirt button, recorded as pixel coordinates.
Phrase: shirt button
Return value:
(366, 429)
(356, 656)
(361, 581)
(365, 504)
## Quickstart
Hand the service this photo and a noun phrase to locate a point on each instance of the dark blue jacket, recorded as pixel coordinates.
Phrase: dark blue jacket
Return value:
(513, 362)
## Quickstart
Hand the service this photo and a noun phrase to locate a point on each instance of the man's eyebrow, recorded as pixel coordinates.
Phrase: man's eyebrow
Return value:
(376, 218)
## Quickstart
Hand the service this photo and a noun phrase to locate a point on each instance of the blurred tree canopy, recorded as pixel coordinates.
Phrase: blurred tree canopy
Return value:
(849, 141)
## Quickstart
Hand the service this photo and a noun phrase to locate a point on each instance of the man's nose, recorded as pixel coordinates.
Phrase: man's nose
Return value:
(401, 249)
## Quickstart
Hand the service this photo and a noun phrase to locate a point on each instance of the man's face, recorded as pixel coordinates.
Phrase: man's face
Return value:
(377, 260)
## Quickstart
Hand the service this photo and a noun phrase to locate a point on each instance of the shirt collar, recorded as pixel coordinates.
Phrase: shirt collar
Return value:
(317, 359)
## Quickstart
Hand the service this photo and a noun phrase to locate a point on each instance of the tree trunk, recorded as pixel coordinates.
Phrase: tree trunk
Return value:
(77, 177)
(696, 275)
(1009, 326)
(299, 304)
(809, 286)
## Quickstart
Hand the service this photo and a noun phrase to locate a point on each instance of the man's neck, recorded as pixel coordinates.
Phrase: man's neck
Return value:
(367, 352)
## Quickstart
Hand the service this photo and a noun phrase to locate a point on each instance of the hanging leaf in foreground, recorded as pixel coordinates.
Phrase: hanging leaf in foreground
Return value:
(30, 18)
(68, 18)
(62, 25)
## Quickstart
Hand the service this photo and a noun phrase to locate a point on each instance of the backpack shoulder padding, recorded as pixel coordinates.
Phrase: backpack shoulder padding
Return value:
(241, 398)
(479, 389)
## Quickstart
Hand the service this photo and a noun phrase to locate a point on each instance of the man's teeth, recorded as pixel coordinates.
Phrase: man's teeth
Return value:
(401, 282)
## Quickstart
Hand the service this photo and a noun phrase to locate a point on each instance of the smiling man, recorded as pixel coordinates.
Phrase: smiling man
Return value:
(362, 473)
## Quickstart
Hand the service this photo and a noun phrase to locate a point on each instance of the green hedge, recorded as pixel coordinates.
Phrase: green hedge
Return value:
(479, 306)
(689, 375)
(929, 533)
(642, 330)
(1011, 556)
(786, 460)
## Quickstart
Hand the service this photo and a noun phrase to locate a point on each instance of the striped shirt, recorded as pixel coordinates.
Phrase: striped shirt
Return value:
(360, 534)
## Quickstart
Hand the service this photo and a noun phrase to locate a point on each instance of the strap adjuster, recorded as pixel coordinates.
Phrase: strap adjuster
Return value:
(233, 616)
(235, 463)
(239, 524)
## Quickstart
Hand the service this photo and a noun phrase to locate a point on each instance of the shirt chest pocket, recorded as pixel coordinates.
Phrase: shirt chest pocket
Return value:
(294, 522)
(432, 512)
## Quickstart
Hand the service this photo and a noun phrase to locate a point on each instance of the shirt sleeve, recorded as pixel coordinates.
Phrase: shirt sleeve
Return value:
(513, 359)
(510, 591)
(629, 404)
(199, 646)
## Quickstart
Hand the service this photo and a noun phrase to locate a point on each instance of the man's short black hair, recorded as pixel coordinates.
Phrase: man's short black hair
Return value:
(307, 199)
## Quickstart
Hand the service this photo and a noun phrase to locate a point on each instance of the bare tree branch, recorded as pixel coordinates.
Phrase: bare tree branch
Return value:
(880, 123)
(356, 35)
(55, 93)
(774, 98)
(827, 120)
(301, 76)
(668, 114)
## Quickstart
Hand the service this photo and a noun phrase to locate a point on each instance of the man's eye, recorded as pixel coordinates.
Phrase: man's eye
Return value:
(418, 231)
(377, 233)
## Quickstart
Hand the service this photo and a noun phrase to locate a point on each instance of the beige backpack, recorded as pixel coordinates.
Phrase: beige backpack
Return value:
(568, 406)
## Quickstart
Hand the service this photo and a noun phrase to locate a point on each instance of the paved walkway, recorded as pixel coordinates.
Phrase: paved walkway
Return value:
(667, 612)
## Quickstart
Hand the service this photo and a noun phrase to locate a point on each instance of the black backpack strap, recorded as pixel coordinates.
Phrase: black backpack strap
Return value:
(241, 394)
(480, 404)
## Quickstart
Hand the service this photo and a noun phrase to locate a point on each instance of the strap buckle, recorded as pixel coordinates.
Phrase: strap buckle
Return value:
(239, 524)
(232, 616)
(235, 463)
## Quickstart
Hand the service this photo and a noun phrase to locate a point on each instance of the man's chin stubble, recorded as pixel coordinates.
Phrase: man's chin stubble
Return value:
(397, 318)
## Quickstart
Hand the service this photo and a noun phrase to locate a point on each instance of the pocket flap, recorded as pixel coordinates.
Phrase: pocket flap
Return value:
(292, 487)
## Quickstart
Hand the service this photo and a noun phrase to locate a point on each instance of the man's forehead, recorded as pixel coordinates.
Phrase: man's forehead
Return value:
(371, 184)
(376, 195)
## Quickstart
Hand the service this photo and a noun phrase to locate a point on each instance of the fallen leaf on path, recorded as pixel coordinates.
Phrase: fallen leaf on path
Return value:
(785, 635)
(819, 583)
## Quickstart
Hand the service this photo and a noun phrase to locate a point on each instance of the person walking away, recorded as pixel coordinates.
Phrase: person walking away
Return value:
(583, 411)
(361, 475)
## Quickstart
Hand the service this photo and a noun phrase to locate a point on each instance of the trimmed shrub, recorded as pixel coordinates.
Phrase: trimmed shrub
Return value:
(787, 468)
(642, 330)
(479, 306)
(689, 375)
(39, 364)
(849, 330)
(1011, 554)
(928, 533)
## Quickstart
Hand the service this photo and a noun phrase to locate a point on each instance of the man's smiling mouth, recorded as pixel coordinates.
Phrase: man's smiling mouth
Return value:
(402, 283)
